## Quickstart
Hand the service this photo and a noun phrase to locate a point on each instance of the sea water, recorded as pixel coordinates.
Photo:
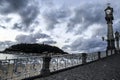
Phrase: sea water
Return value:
(4, 56)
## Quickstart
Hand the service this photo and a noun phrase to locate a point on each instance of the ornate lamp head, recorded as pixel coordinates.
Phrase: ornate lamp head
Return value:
(109, 10)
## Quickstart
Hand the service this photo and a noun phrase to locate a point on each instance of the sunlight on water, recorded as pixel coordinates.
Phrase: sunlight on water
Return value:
(8, 56)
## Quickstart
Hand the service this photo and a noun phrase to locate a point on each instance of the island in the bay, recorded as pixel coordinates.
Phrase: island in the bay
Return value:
(38, 49)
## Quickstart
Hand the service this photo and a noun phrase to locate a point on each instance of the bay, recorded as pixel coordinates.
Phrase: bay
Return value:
(4, 56)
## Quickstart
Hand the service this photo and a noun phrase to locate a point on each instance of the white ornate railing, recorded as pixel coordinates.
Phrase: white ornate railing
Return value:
(24, 67)
(16, 69)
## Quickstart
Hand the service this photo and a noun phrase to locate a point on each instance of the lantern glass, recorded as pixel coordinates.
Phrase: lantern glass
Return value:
(108, 11)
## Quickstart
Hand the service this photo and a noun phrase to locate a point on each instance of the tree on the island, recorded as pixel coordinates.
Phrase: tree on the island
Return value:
(35, 48)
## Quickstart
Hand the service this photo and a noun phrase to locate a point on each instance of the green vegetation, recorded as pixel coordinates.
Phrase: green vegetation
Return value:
(35, 48)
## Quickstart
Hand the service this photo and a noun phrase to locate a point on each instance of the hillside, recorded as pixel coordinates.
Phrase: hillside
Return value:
(35, 48)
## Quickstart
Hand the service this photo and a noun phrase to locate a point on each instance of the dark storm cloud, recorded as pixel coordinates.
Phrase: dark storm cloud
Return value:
(9, 6)
(87, 45)
(51, 21)
(6, 44)
(49, 42)
(32, 38)
(27, 9)
(29, 15)
(20, 26)
(86, 15)
(2, 27)
(25, 39)
(17, 26)
(55, 16)
(92, 44)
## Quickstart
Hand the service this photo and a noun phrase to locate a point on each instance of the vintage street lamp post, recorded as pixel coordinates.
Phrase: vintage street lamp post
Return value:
(110, 37)
(117, 35)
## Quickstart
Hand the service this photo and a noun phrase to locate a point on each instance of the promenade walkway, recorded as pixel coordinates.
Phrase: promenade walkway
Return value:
(104, 69)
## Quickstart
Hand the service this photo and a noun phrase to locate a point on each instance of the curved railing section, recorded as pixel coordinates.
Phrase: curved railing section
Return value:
(16, 69)
(25, 67)
(64, 61)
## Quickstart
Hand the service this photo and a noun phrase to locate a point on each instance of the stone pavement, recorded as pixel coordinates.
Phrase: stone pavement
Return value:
(104, 69)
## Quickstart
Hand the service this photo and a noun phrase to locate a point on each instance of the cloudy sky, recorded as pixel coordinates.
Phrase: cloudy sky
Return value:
(72, 25)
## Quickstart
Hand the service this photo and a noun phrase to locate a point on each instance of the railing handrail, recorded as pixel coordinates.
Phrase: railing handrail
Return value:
(50, 62)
